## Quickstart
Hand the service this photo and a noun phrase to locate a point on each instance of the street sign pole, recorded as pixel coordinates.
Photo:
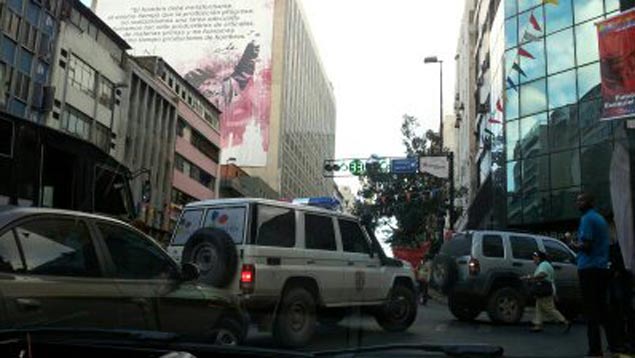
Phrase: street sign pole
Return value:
(452, 194)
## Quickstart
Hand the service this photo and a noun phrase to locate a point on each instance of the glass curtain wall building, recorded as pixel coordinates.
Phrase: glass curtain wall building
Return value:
(555, 144)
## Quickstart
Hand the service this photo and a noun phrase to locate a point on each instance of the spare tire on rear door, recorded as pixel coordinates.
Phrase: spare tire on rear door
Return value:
(214, 252)
(444, 273)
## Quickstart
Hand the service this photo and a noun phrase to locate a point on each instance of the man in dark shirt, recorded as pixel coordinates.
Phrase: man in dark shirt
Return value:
(592, 245)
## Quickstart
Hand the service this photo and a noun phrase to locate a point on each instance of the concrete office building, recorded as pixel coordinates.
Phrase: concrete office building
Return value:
(89, 79)
(197, 150)
(29, 33)
(303, 110)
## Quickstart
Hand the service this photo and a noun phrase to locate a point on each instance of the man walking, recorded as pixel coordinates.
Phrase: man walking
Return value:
(593, 271)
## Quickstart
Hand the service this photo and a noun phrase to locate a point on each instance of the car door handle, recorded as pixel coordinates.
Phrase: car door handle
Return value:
(27, 304)
(517, 264)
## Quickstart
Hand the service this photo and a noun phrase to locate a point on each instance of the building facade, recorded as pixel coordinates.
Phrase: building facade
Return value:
(197, 166)
(150, 139)
(537, 114)
(303, 113)
(29, 33)
(88, 81)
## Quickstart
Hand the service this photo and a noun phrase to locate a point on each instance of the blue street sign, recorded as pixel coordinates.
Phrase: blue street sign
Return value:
(404, 166)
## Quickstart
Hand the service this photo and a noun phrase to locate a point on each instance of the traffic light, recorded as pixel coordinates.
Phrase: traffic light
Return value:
(335, 168)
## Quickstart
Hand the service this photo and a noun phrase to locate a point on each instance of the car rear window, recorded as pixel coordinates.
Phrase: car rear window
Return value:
(231, 220)
(276, 227)
(523, 247)
(187, 225)
(459, 245)
(493, 246)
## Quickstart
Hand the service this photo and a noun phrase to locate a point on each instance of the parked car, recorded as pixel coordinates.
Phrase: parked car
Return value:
(480, 271)
(73, 270)
(293, 265)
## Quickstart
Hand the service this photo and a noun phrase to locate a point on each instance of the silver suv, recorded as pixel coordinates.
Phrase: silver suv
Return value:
(293, 265)
(480, 271)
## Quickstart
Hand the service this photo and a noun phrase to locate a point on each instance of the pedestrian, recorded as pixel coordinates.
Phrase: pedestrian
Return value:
(592, 245)
(543, 281)
(423, 277)
(621, 299)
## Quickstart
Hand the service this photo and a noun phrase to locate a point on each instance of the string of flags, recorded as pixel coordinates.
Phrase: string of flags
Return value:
(409, 196)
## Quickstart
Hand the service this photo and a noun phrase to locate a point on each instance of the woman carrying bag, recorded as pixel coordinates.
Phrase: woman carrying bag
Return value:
(543, 290)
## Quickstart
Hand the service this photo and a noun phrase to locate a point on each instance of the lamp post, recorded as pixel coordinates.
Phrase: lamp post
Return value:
(435, 59)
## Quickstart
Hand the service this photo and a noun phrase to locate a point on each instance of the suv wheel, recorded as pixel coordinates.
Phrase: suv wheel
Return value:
(295, 322)
(505, 306)
(400, 312)
(229, 332)
(463, 311)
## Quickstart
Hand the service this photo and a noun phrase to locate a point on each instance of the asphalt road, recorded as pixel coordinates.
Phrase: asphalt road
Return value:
(435, 325)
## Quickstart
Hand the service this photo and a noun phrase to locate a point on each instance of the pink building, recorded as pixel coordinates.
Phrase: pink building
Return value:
(197, 148)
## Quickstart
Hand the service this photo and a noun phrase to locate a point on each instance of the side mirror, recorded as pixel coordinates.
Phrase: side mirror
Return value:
(190, 272)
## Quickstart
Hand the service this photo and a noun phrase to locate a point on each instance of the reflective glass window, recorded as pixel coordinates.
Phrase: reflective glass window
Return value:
(527, 4)
(511, 8)
(596, 163)
(536, 174)
(559, 17)
(589, 81)
(533, 98)
(511, 32)
(565, 169)
(587, 45)
(587, 9)
(534, 67)
(513, 176)
(612, 5)
(536, 207)
(514, 209)
(563, 128)
(512, 136)
(511, 106)
(592, 129)
(562, 89)
(563, 204)
(533, 135)
(560, 52)
(525, 25)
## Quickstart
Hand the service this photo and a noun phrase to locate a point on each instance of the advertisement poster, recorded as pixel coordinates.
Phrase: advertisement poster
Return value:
(222, 47)
(617, 59)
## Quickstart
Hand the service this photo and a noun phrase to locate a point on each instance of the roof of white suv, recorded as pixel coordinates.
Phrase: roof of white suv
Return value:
(283, 204)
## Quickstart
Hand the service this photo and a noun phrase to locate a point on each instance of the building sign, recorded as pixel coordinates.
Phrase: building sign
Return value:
(435, 166)
(222, 47)
(617, 58)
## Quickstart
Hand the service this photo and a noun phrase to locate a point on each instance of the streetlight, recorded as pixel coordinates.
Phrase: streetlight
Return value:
(435, 59)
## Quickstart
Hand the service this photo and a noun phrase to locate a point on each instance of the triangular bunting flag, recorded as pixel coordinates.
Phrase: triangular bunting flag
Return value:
(512, 84)
(529, 37)
(499, 106)
(516, 67)
(534, 22)
(494, 120)
(554, 2)
(524, 53)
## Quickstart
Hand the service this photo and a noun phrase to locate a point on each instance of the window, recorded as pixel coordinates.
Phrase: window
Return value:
(533, 135)
(533, 98)
(82, 76)
(188, 224)
(134, 256)
(586, 51)
(102, 137)
(180, 198)
(231, 220)
(560, 51)
(565, 169)
(563, 128)
(459, 245)
(493, 246)
(76, 122)
(589, 80)
(319, 232)
(10, 261)
(514, 179)
(353, 238)
(562, 89)
(512, 145)
(201, 176)
(180, 127)
(276, 227)
(22, 85)
(29, 36)
(559, 17)
(557, 252)
(106, 90)
(58, 247)
(523, 247)
(205, 146)
(587, 9)
(12, 24)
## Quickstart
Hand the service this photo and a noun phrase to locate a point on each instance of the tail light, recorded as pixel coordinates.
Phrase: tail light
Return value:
(474, 266)
(247, 278)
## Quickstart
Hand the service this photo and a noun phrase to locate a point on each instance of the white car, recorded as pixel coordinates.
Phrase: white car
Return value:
(294, 265)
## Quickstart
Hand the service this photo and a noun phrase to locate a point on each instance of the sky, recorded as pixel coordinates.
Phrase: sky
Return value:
(373, 52)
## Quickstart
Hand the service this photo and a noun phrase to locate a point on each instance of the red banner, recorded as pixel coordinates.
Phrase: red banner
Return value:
(617, 55)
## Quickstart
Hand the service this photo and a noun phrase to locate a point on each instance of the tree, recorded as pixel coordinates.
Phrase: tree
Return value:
(405, 207)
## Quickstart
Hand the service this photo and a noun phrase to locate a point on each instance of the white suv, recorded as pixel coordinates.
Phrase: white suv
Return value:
(293, 265)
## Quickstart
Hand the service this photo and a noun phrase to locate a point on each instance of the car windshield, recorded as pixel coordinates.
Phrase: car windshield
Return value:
(319, 175)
